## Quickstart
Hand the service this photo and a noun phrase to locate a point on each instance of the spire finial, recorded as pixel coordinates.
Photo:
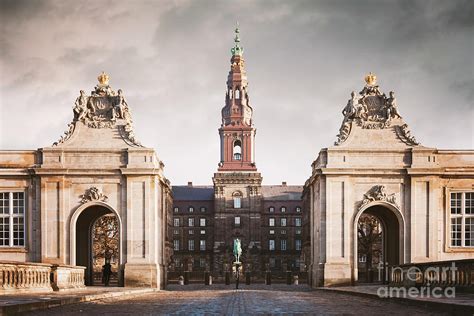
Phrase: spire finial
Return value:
(237, 49)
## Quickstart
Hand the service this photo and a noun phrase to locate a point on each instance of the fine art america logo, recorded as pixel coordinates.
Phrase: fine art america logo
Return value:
(412, 282)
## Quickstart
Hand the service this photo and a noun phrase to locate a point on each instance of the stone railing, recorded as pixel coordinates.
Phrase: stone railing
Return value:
(17, 277)
(455, 273)
(67, 277)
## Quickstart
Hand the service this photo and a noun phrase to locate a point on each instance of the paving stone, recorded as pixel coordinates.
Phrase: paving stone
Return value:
(249, 300)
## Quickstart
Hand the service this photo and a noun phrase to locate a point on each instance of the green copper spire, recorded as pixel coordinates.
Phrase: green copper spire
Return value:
(237, 49)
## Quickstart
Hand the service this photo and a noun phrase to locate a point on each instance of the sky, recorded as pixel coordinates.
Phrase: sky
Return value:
(171, 59)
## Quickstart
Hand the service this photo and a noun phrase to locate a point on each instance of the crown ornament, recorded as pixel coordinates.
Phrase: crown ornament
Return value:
(371, 79)
(103, 78)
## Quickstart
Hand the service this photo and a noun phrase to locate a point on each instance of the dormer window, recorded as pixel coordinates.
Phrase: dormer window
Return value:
(237, 150)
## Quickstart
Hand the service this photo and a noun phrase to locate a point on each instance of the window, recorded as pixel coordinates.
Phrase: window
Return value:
(271, 244)
(203, 209)
(202, 245)
(176, 209)
(298, 232)
(298, 209)
(283, 221)
(271, 232)
(271, 222)
(298, 222)
(462, 219)
(202, 262)
(176, 222)
(271, 209)
(237, 196)
(283, 209)
(283, 244)
(176, 231)
(237, 150)
(176, 245)
(203, 232)
(191, 222)
(202, 222)
(12, 219)
(191, 209)
(283, 232)
(191, 231)
(298, 244)
(191, 245)
(177, 262)
(237, 221)
(362, 258)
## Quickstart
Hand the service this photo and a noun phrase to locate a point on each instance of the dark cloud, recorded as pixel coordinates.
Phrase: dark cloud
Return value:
(172, 57)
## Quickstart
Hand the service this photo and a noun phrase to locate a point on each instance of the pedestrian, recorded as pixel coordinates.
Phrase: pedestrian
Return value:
(106, 272)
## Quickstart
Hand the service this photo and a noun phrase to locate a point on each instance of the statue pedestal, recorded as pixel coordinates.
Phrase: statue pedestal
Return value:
(236, 268)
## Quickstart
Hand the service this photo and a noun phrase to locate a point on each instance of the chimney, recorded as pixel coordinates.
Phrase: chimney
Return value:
(283, 183)
(190, 184)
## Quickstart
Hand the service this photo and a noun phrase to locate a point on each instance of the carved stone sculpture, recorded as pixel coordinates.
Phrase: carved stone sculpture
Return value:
(391, 107)
(378, 193)
(101, 110)
(372, 110)
(80, 106)
(93, 194)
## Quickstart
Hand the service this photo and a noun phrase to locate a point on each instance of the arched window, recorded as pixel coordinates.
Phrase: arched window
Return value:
(237, 93)
(237, 150)
(237, 197)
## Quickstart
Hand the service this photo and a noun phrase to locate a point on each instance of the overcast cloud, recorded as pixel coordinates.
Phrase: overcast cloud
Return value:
(171, 58)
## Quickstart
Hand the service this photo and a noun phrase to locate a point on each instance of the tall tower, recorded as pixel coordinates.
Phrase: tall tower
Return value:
(237, 184)
(237, 132)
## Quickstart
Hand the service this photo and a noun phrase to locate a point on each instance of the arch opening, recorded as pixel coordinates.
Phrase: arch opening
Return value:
(97, 242)
(237, 152)
(378, 243)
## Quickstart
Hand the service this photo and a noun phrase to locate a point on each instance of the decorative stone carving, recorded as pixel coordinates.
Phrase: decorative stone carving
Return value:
(104, 108)
(378, 193)
(344, 132)
(129, 136)
(67, 134)
(93, 194)
(404, 134)
(371, 110)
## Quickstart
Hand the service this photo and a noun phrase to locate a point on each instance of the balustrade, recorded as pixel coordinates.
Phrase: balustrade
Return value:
(457, 273)
(28, 276)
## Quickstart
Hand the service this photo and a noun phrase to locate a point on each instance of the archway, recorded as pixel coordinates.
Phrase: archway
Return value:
(378, 242)
(93, 242)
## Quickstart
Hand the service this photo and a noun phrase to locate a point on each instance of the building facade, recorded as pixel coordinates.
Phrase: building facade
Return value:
(267, 219)
(422, 196)
(51, 197)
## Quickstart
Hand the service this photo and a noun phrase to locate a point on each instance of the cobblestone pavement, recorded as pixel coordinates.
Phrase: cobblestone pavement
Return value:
(250, 300)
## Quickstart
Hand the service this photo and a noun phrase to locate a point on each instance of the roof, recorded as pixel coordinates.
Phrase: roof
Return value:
(206, 192)
(193, 193)
(282, 192)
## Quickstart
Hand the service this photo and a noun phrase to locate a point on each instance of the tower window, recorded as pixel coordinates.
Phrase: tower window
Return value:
(237, 197)
(237, 93)
(237, 150)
